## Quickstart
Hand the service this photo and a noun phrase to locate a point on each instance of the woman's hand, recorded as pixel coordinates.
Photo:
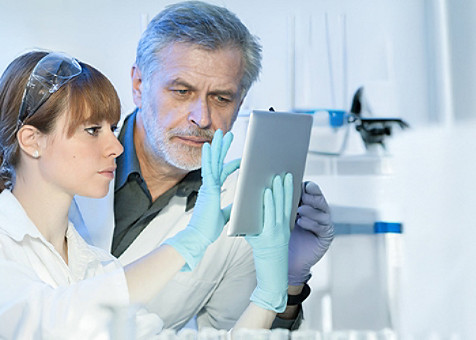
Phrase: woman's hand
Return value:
(208, 218)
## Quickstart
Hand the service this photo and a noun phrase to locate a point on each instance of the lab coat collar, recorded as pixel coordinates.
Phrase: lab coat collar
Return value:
(81, 256)
(13, 219)
(16, 224)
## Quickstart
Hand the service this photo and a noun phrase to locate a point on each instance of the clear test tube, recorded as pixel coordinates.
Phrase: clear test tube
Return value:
(337, 335)
(187, 334)
(167, 334)
(362, 335)
(241, 334)
(279, 334)
(386, 334)
(122, 324)
(254, 334)
(260, 334)
(306, 335)
(208, 333)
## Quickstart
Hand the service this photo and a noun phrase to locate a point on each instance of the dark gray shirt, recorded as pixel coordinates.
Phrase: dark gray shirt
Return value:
(133, 205)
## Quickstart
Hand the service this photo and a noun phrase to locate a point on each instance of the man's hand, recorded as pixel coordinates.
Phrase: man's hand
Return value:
(312, 234)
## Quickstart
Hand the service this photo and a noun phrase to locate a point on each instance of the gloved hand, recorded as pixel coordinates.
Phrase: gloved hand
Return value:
(270, 248)
(312, 234)
(208, 218)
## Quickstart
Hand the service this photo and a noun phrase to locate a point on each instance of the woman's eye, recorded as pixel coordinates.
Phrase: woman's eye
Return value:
(93, 130)
(113, 128)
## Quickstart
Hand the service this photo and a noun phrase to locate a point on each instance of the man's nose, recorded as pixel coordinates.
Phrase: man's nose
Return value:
(200, 114)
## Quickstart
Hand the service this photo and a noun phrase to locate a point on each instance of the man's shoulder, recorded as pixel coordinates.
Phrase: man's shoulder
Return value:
(125, 122)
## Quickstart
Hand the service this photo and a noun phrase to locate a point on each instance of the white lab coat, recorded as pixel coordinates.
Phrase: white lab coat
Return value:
(218, 289)
(42, 297)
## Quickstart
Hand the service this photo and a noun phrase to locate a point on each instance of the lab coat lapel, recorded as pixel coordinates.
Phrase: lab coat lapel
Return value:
(167, 223)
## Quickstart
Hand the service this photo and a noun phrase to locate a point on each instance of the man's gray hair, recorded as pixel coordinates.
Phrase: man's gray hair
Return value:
(195, 22)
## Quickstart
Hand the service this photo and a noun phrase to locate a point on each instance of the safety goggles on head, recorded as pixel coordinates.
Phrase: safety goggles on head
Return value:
(50, 73)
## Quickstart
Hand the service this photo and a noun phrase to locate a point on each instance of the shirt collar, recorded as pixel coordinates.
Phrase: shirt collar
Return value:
(190, 183)
(13, 218)
(127, 163)
(80, 254)
(15, 223)
(189, 187)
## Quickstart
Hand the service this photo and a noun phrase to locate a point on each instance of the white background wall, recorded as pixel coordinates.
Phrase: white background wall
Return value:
(463, 46)
(411, 63)
(385, 46)
(436, 170)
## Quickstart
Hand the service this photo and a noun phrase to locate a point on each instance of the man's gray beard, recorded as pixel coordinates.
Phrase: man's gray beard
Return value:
(158, 141)
(173, 155)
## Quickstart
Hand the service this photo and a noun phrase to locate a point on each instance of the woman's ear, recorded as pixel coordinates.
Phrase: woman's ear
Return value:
(29, 140)
(136, 78)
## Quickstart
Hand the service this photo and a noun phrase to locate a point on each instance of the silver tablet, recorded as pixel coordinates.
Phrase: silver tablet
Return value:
(276, 143)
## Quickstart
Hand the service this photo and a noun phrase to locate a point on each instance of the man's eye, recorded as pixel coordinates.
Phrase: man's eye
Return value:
(114, 128)
(93, 130)
(223, 99)
(181, 92)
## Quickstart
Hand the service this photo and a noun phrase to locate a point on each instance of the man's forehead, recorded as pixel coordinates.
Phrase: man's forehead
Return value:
(225, 88)
(186, 60)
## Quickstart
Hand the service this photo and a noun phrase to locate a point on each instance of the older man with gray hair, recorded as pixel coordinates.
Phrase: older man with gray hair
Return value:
(195, 64)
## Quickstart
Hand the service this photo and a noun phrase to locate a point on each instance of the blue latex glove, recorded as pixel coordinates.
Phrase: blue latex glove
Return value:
(312, 234)
(270, 248)
(208, 218)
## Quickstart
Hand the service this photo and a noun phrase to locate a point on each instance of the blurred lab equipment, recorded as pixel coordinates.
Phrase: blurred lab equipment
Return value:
(257, 334)
(278, 334)
(306, 335)
(208, 333)
(356, 286)
(332, 133)
(187, 334)
(373, 130)
(122, 322)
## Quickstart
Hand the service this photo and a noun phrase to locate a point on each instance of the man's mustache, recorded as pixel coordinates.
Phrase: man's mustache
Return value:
(191, 132)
